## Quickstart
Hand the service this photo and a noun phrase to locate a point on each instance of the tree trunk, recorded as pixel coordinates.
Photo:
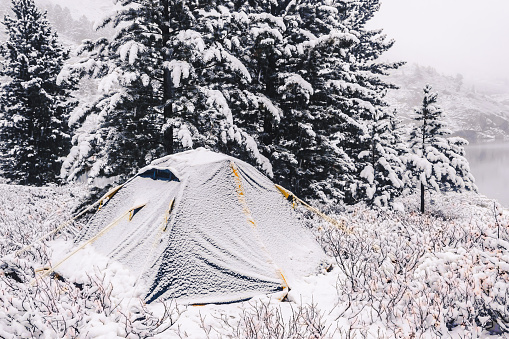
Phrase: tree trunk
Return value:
(167, 80)
(422, 197)
(168, 140)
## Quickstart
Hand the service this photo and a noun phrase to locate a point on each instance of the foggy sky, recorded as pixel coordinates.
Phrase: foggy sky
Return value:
(455, 36)
(470, 37)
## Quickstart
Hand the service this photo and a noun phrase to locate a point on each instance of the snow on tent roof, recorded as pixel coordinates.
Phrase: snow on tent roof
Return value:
(230, 234)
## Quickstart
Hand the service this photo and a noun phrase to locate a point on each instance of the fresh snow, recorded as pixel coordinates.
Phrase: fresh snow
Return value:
(292, 81)
(447, 266)
(179, 70)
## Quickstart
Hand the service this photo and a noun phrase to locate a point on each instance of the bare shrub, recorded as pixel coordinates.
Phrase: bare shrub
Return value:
(263, 320)
(427, 274)
(27, 213)
(58, 308)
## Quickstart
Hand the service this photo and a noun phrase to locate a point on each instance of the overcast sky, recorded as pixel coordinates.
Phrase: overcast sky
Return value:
(455, 36)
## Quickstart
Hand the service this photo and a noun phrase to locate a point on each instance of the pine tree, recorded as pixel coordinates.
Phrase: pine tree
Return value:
(299, 82)
(317, 64)
(33, 129)
(399, 134)
(438, 162)
(166, 78)
(278, 118)
(370, 108)
(385, 169)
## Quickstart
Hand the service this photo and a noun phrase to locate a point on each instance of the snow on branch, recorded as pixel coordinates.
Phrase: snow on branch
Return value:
(269, 18)
(191, 38)
(130, 48)
(293, 82)
(179, 70)
(236, 65)
(217, 101)
(261, 101)
(335, 38)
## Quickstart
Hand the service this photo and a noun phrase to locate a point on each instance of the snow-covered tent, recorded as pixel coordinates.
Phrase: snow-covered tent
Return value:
(204, 227)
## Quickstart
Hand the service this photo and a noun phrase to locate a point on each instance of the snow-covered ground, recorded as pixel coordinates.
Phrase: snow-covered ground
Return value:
(396, 274)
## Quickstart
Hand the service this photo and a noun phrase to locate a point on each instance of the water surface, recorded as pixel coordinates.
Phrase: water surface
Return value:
(489, 163)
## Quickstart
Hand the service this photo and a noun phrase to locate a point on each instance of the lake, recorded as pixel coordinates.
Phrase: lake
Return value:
(489, 163)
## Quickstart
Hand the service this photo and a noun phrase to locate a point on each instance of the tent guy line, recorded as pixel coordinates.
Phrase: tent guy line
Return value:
(100, 234)
(289, 195)
(66, 223)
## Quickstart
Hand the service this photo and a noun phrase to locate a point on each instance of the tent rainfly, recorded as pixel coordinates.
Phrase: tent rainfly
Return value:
(203, 227)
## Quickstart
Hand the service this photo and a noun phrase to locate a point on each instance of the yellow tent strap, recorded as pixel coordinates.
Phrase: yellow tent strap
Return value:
(284, 284)
(91, 240)
(110, 194)
(66, 223)
(167, 215)
(239, 188)
(286, 193)
(133, 210)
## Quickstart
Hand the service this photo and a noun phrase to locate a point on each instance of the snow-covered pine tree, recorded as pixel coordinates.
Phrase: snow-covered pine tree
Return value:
(273, 106)
(259, 105)
(325, 78)
(399, 142)
(34, 130)
(439, 161)
(314, 120)
(385, 167)
(166, 78)
(368, 107)
(463, 180)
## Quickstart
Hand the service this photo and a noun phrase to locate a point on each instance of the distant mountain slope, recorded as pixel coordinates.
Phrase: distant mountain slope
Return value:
(92, 9)
(470, 113)
(72, 20)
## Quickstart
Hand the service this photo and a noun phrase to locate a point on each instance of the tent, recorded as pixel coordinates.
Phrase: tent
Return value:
(203, 227)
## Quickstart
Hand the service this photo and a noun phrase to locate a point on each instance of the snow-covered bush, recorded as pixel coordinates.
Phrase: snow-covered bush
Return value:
(262, 319)
(84, 306)
(424, 274)
(395, 274)
(27, 213)
(54, 307)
